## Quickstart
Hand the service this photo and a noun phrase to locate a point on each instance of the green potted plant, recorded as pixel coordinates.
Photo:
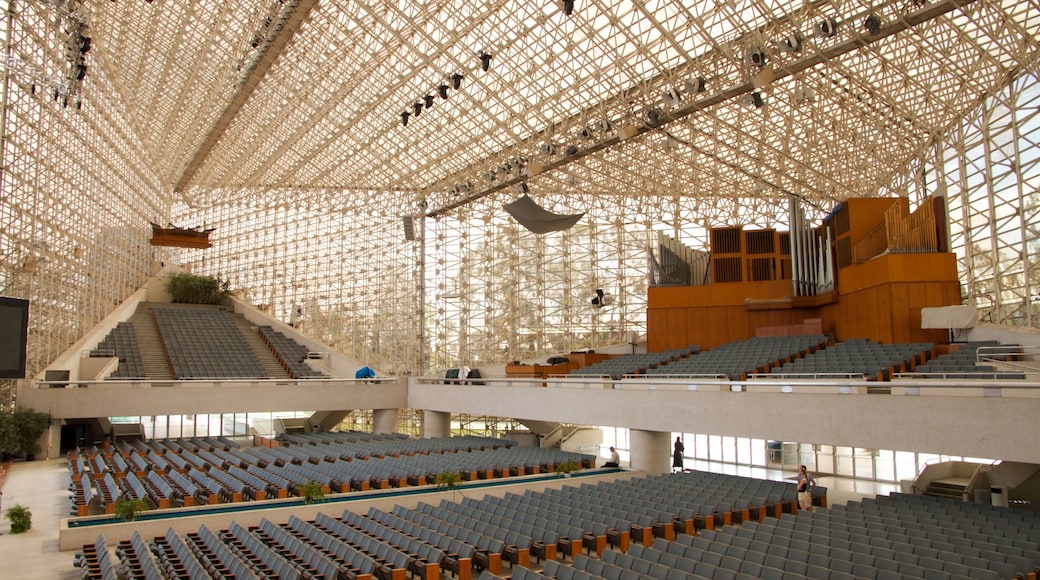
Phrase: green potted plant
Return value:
(20, 517)
(191, 289)
(20, 432)
(448, 480)
(310, 491)
(566, 468)
(128, 508)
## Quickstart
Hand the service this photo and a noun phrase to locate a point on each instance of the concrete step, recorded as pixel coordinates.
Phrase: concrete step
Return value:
(155, 365)
(268, 361)
(946, 488)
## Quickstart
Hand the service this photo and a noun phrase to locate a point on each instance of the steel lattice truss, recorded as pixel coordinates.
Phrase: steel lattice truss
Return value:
(279, 123)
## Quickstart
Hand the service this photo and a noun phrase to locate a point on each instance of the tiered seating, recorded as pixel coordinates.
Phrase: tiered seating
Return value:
(311, 562)
(137, 559)
(894, 536)
(960, 363)
(251, 549)
(109, 491)
(95, 562)
(134, 489)
(736, 360)
(81, 492)
(163, 494)
(210, 488)
(172, 473)
(486, 553)
(357, 563)
(858, 356)
(390, 560)
(122, 343)
(186, 489)
(205, 343)
(517, 547)
(631, 364)
(218, 558)
(176, 558)
(290, 353)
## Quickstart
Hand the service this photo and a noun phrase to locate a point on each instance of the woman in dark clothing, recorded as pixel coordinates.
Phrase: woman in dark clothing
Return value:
(677, 455)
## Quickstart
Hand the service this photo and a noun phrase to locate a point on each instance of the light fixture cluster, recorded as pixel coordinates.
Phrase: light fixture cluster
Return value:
(442, 90)
(427, 100)
(74, 33)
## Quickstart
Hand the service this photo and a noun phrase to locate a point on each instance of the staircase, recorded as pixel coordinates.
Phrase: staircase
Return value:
(156, 368)
(268, 361)
(952, 488)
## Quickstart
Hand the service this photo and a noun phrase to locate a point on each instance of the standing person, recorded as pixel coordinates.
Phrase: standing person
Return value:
(615, 459)
(677, 455)
(805, 486)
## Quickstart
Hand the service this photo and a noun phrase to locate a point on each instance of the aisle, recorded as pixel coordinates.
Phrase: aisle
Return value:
(42, 487)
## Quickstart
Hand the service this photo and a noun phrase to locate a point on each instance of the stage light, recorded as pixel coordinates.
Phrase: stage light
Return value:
(753, 100)
(571, 150)
(653, 117)
(404, 118)
(485, 61)
(456, 80)
(671, 98)
(417, 107)
(755, 57)
(568, 7)
(826, 28)
(873, 24)
(697, 85)
(790, 43)
(429, 101)
(443, 91)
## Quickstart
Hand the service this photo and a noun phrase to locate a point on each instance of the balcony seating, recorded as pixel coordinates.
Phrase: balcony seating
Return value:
(205, 344)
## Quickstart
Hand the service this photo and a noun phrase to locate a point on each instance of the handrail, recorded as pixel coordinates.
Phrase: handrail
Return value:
(808, 375)
(684, 383)
(143, 382)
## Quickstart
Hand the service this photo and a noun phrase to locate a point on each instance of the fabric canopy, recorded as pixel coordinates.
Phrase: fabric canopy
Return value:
(949, 317)
(538, 220)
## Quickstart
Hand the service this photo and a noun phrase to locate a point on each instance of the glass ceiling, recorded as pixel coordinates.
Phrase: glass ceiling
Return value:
(840, 119)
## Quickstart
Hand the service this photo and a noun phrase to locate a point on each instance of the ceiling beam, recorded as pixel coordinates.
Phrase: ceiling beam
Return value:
(927, 13)
(292, 18)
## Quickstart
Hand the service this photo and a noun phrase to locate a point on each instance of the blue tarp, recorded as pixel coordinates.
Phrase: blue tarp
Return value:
(365, 373)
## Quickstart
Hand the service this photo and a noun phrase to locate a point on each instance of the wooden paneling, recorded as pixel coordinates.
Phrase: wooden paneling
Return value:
(880, 300)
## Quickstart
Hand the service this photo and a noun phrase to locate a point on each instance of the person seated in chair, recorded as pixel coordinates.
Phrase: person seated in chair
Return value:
(615, 459)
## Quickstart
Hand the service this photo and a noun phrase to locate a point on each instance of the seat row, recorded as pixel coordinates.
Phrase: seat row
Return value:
(216, 472)
(289, 353)
(205, 344)
(738, 359)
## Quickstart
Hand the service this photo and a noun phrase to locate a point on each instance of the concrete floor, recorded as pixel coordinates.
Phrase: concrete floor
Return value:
(42, 486)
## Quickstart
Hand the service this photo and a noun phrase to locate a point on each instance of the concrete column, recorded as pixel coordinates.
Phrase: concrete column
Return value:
(384, 420)
(50, 442)
(650, 451)
(436, 424)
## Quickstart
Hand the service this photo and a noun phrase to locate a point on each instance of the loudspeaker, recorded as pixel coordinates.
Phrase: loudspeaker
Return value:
(409, 228)
(14, 332)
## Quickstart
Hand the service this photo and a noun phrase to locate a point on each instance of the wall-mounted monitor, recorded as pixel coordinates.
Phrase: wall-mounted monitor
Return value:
(14, 331)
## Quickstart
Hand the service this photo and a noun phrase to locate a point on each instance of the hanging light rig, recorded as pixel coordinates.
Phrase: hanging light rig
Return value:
(428, 99)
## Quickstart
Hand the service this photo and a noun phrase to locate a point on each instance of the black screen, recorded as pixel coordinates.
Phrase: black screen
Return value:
(14, 328)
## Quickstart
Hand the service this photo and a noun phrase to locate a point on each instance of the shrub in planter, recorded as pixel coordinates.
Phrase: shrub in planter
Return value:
(310, 492)
(20, 517)
(127, 508)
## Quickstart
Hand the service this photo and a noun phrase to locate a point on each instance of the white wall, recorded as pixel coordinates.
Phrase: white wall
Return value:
(996, 427)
